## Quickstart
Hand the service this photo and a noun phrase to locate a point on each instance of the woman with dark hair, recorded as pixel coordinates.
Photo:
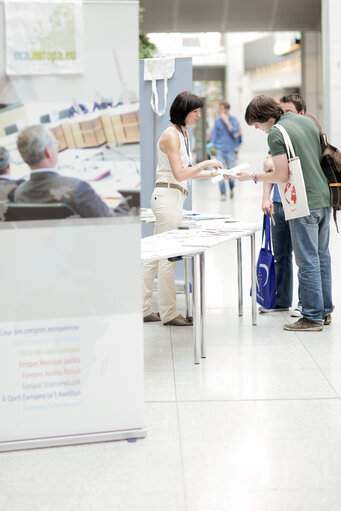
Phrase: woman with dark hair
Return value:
(173, 170)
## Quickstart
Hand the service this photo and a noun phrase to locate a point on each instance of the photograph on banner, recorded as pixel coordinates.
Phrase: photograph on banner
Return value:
(92, 151)
(71, 68)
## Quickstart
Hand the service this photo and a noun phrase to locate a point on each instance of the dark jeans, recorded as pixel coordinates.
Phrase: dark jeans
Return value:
(282, 247)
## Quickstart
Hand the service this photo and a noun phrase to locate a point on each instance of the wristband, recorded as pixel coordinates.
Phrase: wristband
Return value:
(254, 177)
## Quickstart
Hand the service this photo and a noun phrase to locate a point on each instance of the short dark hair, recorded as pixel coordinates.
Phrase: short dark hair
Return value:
(225, 104)
(183, 104)
(296, 99)
(261, 109)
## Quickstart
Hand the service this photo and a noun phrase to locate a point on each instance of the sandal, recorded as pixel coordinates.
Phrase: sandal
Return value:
(179, 321)
(154, 316)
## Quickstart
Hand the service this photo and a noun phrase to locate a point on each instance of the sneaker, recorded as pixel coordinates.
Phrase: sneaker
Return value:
(327, 319)
(231, 194)
(304, 325)
(297, 312)
(277, 308)
(223, 197)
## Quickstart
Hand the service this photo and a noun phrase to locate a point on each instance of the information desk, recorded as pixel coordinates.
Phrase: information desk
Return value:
(191, 244)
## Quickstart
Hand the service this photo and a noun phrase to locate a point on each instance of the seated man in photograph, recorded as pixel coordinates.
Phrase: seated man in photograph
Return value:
(6, 183)
(38, 148)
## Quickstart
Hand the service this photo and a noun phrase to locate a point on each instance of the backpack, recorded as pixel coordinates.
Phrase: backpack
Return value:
(331, 167)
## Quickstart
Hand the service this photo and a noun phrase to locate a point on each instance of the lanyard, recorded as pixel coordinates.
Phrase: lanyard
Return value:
(187, 148)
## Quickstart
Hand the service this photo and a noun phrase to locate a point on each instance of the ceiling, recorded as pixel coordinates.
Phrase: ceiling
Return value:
(230, 15)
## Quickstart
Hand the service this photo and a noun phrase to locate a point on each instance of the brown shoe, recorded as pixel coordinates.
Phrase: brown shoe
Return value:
(304, 325)
(179, 321)
(154, 316)
(327, 319)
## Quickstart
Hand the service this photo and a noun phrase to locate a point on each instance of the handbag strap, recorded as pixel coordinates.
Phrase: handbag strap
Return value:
(323, 136)
(287, 141)
(266, 233)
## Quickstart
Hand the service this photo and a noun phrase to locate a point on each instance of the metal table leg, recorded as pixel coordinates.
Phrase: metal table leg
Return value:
(240, 277)
(196, 307)
(202, 305)
(253, 280)
(187, 287)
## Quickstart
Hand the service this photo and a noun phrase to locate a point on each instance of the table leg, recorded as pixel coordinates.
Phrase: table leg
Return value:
(187, 287)
(202, 305)
(253, 280)
(196, 307)
(240, 277)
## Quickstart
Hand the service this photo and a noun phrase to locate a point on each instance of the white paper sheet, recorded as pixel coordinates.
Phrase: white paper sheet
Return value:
(229, 172)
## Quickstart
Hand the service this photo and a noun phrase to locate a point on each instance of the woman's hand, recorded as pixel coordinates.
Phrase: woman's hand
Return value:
(216, 163)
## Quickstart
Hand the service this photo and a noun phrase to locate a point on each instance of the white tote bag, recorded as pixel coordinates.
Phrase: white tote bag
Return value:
(159, 69)
(293, 193)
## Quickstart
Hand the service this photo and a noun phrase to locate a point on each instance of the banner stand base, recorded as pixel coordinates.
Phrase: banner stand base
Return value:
(89, 438)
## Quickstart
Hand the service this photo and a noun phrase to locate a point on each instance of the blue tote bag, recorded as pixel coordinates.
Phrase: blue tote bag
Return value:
(265, 270)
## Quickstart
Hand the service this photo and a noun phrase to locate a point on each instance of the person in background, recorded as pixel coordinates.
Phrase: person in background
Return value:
(226, 138)
(173, 170)
(39, 149)
(310, 233)
(7, 185)
(280, 230)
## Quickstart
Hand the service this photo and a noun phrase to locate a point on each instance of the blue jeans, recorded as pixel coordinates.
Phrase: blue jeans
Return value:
(310, 240)
(228, 159)
(282, 247)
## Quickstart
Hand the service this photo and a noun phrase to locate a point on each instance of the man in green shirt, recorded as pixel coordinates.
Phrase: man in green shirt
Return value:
(309, 234)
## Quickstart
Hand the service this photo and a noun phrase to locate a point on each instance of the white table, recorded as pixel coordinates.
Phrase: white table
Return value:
(192, 244)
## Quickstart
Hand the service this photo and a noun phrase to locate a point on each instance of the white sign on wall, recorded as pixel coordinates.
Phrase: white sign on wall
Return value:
(44, 37)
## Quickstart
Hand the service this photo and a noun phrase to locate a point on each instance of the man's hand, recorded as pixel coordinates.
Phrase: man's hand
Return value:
(267, 206)
(268, 165)
(226, 118)
(243, 175)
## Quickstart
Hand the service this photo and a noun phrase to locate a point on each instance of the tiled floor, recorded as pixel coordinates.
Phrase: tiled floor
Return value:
(255, 427)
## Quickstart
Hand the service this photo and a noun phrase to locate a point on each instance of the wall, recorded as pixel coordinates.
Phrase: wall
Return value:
(331, 58)
(312, 73)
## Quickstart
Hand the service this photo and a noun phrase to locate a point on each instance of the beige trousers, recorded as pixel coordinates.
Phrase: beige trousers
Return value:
(167, 206)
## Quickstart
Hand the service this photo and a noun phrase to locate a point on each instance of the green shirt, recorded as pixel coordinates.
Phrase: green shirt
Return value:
(305, 138)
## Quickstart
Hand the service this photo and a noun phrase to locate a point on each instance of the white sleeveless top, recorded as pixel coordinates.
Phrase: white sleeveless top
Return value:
(164, 173)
